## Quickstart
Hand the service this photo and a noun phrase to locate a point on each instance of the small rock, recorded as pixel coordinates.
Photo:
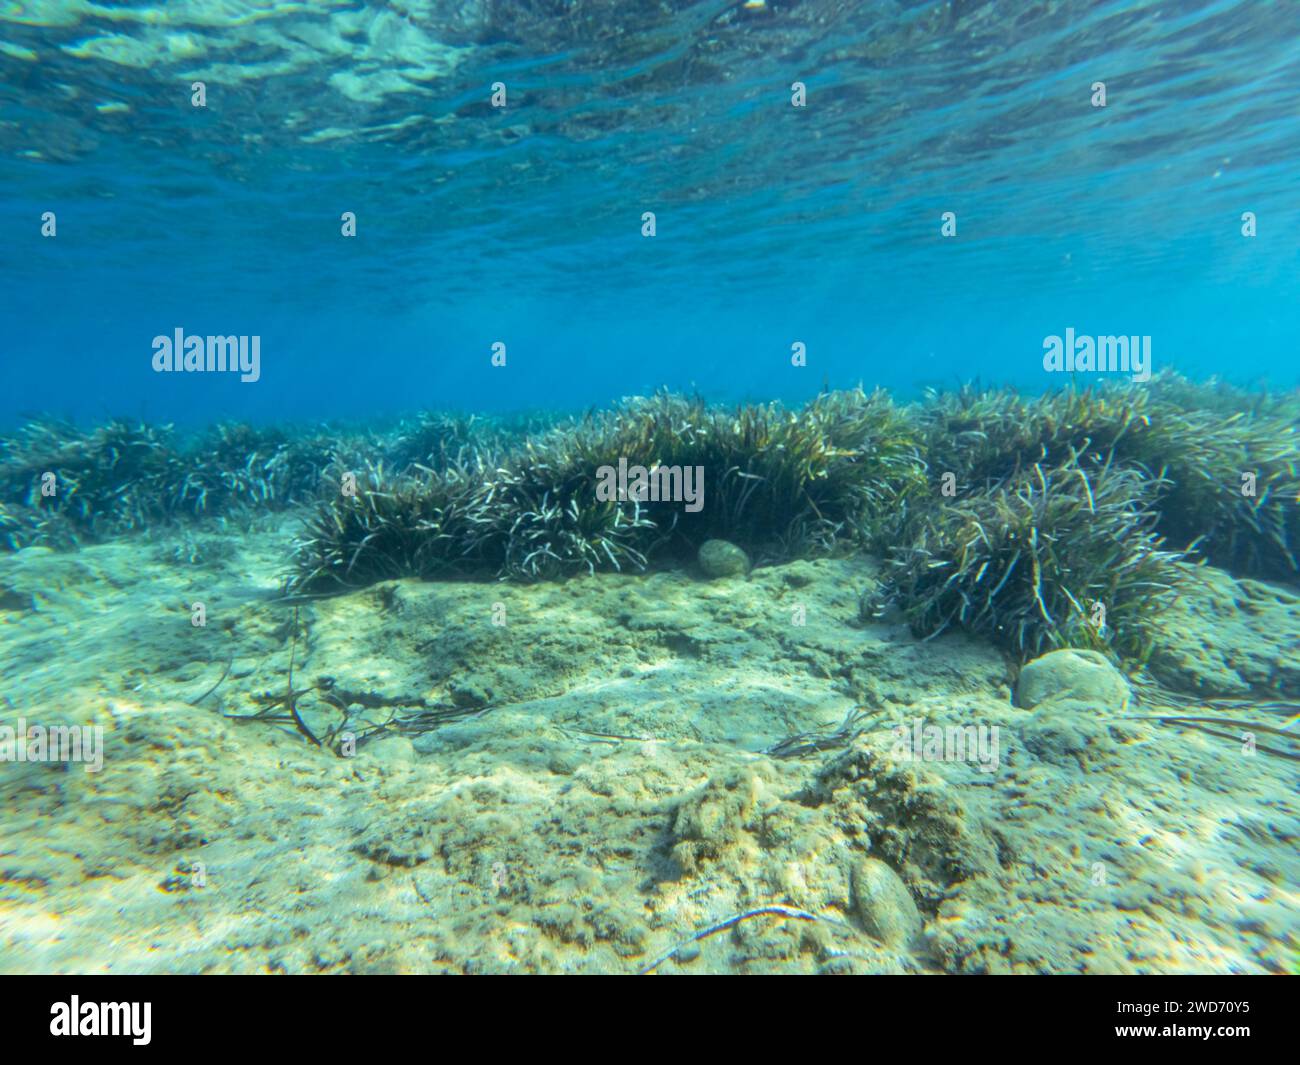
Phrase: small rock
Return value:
(469, 693)
(799, 574)
(1076, 675)
(688, 953)
(564, 763)
(883, 903)
(16, 601)
(720, 558)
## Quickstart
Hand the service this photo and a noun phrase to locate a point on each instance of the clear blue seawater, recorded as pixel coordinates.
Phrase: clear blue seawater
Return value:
(522, 224)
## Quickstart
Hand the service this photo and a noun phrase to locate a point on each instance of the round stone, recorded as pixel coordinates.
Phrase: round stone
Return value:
(719, 558)
(1073, 675)
(883, 903)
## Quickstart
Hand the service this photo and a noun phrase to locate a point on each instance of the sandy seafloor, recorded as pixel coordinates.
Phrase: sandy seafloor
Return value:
(613, 801)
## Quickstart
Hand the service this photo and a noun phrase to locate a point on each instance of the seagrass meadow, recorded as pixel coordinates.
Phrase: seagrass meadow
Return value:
(650, 488)
(1086, 589)
(1013, 517)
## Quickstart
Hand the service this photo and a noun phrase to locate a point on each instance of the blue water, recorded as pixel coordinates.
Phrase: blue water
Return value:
(522, 224)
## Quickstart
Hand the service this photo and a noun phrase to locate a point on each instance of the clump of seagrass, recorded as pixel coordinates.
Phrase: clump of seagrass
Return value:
(438, 439)
(390, 526)
(1218, 396)
(531, 519)
(983, 436)
(17, 528)
(435, 440)
(781, 483)
(1049, 558)
(61, 483)
(234, 465)
(1234, 478)
(1225, 461)
(544, 525)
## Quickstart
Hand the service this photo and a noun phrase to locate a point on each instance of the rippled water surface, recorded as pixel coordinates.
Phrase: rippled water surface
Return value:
(775, 223)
